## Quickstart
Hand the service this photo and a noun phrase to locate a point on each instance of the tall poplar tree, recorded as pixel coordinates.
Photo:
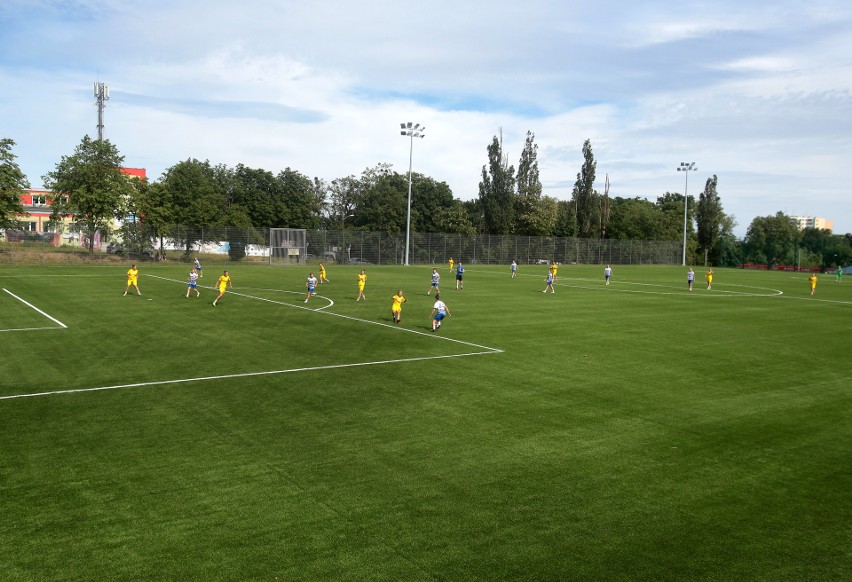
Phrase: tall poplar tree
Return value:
(584, 196)
(528, 180)
(496, 191)
(708, 217)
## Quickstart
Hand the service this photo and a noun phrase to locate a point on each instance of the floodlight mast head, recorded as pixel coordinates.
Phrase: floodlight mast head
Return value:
(416, 131)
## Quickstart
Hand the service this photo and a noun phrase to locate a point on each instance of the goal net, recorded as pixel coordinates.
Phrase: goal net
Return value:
(287, 246)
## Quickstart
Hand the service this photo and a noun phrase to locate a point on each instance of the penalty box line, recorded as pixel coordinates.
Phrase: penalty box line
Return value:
(351, 318)
(241, 375)
(30, 305)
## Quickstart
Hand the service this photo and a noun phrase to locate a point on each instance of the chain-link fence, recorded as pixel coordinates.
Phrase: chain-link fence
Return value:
(433, 248)
(345, 246)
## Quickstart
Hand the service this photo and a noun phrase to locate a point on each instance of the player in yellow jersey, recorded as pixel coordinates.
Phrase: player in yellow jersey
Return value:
(132, 279)
(813, 281)
(709, 276)
(554, 268)
(362, 282)
(223, 283)
(452, 263)
(322, 277)
(396, 306)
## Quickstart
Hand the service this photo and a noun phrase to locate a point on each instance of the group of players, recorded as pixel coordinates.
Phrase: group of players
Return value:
(439, 309)
(195, 274)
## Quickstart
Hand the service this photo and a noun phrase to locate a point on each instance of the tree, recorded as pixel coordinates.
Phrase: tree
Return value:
(135, 229)
(196, 200)
(428, 197)
(566, 219)
(771, 239)
(475, 214)
(635, 219)
(383, 204)
(299, 200)
(454, 218)
(89, 186)
(13, 182)
(155, 208)
(528, 180)
(344, 196)
(496, 191)
(584, 196)
(536, 216)
(671, 207)
(708, 217)
(260, 193)
(820, 247)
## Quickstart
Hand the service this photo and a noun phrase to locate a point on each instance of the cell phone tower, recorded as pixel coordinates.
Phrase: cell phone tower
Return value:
(101, 95)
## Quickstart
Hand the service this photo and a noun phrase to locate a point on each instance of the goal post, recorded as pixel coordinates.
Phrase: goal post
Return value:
(288, 246)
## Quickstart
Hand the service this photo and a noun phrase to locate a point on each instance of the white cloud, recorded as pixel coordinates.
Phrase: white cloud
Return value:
(759, 97)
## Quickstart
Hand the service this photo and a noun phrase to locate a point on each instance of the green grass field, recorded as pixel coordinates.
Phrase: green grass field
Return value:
(636, 431)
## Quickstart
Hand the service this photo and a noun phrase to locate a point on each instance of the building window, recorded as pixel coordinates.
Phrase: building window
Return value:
(30, 226)
(39, 200)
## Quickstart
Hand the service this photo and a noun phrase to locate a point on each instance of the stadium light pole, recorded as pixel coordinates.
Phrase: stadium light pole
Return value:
(686, 168)
(411, 130)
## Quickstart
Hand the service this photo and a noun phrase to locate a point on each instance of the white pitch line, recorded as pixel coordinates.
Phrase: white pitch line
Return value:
(53, 319)
(349, 317)
(31, 329)
(616, 287)
(242, 375)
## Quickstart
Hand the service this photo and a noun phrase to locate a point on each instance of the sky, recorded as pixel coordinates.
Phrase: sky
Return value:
(757, 93)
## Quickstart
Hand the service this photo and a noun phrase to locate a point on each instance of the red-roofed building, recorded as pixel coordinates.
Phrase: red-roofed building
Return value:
(37, 207)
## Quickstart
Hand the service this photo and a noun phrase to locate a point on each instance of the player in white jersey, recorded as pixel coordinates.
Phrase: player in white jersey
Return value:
(198, 267)
(439, 312)
(607, 274)
(192, 284)
(311, 284)
(436, 281)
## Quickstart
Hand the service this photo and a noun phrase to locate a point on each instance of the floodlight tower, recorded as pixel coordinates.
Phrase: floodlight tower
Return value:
(686, 168)
(101, 95)
(410, 130)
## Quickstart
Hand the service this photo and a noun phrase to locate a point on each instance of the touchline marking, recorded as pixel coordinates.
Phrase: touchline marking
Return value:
(31, 329)
(53, 319)
(242, 375)
(613, 288)
(349, 317)
(616, 287)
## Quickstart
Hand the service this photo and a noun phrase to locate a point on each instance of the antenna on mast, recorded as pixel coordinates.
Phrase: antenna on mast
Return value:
(101, 96)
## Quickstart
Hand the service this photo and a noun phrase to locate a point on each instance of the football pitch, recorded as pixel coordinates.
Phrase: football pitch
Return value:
(629, 431)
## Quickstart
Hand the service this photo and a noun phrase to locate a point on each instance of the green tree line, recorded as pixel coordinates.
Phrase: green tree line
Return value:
(89, 187)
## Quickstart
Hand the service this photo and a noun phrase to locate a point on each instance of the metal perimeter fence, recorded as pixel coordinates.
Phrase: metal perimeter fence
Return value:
(434, 248)
(344, 246)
